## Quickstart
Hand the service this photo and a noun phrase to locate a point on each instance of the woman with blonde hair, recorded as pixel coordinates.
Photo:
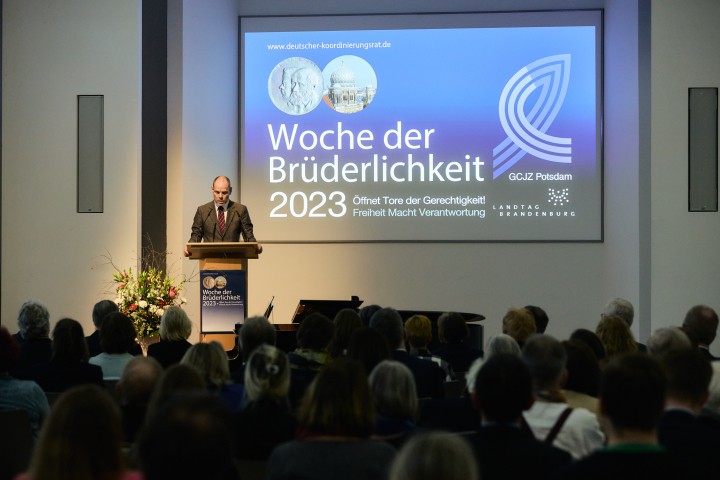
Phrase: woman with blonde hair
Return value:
(175, 328)
(212, 362)
(616, 337)
(519, 324)
(82, 439)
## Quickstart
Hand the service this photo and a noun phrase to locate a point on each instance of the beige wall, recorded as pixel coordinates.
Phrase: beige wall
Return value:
(52, 52)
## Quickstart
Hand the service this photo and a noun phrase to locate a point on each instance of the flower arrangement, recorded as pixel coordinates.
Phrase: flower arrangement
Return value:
(146, 297)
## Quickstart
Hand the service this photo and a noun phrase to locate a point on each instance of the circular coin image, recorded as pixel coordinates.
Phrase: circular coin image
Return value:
(296, 85)
(208, 282)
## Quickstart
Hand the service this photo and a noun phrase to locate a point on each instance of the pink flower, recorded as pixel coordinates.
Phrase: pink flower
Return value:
(172, 294)
(122, 285)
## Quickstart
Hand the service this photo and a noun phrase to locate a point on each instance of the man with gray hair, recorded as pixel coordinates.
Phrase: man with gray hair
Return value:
(665, 339)
(429, 377)
(623, 309)
(575, 430)
(135, 387)
(35, 345)
(254, 332)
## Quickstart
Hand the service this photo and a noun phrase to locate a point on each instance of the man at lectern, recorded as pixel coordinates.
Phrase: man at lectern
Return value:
(222, 220)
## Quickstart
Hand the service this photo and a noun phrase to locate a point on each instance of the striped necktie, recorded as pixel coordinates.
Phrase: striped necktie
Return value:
(221, 220)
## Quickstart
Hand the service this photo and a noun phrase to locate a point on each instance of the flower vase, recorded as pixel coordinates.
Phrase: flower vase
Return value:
(145, 342)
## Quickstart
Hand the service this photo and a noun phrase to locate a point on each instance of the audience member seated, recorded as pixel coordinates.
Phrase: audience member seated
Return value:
(623, 309)
(336, 421)
(176, 380)
(134, 389)
(175, 328)
(632, 394)
(689, 373)
(101, 309)
(117, 337)
(367, 312)
(19, 394)
(701, 322)
(254, 332)
(82, 439)
(519, 324)
(592, 341)
(540, 317)
(583, 379)
(434, 456)
(313, 337)
(452, 331)
(69, 365)
(575, 430)
(35, 345)
(212, 362)
(665, 339)
(347, 321)
(616, 337)
(266, 421)
(396, 402)
(501, 343)
(369, 347)
(429, 377)
(502, 390)
(418, 331)
(188, 438)
(710, 413)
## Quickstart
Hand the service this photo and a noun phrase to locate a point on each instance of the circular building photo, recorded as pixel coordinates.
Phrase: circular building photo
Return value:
(350, 84)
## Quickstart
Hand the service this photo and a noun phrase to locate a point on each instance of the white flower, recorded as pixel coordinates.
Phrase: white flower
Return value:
(118, 301)
(184, 300)
(142, 304)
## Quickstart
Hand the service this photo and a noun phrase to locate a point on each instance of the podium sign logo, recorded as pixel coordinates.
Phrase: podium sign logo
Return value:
(222, 300)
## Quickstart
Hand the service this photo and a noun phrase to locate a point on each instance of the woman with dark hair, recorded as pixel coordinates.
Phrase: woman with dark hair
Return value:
(117, 337)
(369, 347)
(178, 379)
(337, 419)
(81, 440)
(583, 380)
(69, 364)
(347, 322)
(452, 331)
(591, 340)
(311, 354)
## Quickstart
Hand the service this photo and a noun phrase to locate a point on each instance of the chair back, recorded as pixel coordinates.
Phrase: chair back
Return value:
(16, 443)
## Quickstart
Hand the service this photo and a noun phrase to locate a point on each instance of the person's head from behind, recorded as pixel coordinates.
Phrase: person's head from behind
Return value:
(503, 389)
(175, 325)
(9, 351)
(540, 317)
(632, 392)
(545, 357)
(367, 312)
(620, 308)
(689, 374)
(81, 439)
(519, 324)
(591, 340)
(433, 456)
(665, 339)
(419, 331)
(138, 379)
(101, 310)
(176, 380)
(388, 322)
(117, 334)
(702, 322)
(347, 321)
(267, 375)
(68, 341)
(256, 331)
(615, 336)
(189, 437)
(315, 332)
(393, 389)
(452, 328)
(369, 347)
(501, 343)
(338, 402)
(211, 361)
(582, 367)
(33, 320)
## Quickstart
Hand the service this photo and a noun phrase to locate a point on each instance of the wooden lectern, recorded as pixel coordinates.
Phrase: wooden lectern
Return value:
(222, 256)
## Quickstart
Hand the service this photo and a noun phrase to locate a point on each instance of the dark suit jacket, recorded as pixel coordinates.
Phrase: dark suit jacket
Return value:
(505, 452)
(681, 433)
(59, 375)
(168, 353)
(93, 343)
(32, 352)
(458, 355)
(709, 355)
(237, 221)
(429, 377)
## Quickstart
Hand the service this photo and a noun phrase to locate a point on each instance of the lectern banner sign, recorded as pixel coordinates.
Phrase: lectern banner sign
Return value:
(222, 300)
